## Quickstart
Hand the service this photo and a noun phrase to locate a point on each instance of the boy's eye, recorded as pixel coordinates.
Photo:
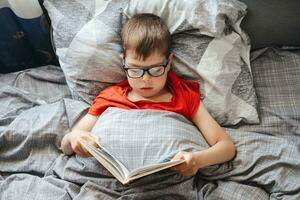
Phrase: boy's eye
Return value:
(156, 70)
(135, 72)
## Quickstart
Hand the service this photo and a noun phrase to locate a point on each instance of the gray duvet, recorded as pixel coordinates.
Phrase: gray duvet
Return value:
(36, 111)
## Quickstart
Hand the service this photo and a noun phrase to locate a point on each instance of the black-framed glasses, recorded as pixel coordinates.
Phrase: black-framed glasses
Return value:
(138, 72)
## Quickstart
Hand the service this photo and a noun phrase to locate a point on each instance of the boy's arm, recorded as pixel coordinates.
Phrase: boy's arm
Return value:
(70, 143)
(221, 149)
(86, 123)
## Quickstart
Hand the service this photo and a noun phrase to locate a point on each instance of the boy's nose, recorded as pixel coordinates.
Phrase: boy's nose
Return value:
(146, 76)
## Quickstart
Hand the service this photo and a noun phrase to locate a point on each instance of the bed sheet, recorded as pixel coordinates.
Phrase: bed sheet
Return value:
(37, 110)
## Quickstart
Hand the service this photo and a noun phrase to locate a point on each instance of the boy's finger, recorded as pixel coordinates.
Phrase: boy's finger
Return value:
(93, 140)
(178, 156)
(85, 152)
(175, 169)
(78, 152)
(94, 137)
(82, 152)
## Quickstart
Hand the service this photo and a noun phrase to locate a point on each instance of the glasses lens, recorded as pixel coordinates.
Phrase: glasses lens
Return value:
(156, 71)
(135, 73)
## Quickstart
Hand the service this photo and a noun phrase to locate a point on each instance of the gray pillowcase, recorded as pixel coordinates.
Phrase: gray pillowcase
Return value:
(88, 46)
(210, 17)
(88, 43)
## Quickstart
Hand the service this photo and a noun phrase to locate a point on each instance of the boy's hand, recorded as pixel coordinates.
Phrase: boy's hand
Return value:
(70, 143)
(190, 166)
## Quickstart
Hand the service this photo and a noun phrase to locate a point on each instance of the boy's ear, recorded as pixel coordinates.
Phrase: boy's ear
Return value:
(171, 56)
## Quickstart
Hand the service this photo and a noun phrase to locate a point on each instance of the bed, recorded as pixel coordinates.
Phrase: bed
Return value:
(259, 107)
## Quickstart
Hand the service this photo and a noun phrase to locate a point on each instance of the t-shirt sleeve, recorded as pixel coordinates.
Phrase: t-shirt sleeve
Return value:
(192, 97)
(98, 106)
(112, 96)
(102, 101)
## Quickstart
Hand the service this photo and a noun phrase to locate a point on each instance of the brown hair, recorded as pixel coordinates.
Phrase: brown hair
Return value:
(146, 33)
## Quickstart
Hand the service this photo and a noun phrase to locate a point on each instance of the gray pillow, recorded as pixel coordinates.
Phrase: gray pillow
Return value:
(87, 40)
(210, 17)
(88, 46)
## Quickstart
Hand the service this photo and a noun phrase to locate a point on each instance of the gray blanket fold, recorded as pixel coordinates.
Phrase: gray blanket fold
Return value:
(142, 137)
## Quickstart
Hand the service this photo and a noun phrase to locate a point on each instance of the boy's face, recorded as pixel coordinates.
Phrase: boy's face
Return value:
(148, 86)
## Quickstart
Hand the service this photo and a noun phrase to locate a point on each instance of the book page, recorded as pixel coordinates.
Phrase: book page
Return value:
(114, 160)
(115, 167)
(150, 169)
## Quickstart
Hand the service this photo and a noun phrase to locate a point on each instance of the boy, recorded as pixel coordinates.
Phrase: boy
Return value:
(151, 84)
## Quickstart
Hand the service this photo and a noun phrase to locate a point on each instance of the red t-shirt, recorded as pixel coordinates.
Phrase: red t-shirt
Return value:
(185, 98)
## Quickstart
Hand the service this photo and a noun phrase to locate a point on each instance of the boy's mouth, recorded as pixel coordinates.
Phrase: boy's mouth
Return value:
(146, 88)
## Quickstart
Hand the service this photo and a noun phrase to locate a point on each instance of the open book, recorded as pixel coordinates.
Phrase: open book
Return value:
(117, 169)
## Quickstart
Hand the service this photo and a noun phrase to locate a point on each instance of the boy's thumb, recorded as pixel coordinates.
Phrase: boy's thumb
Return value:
(96, 139)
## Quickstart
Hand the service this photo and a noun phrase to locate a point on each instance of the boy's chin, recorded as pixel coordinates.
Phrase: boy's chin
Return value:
(147, 94)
